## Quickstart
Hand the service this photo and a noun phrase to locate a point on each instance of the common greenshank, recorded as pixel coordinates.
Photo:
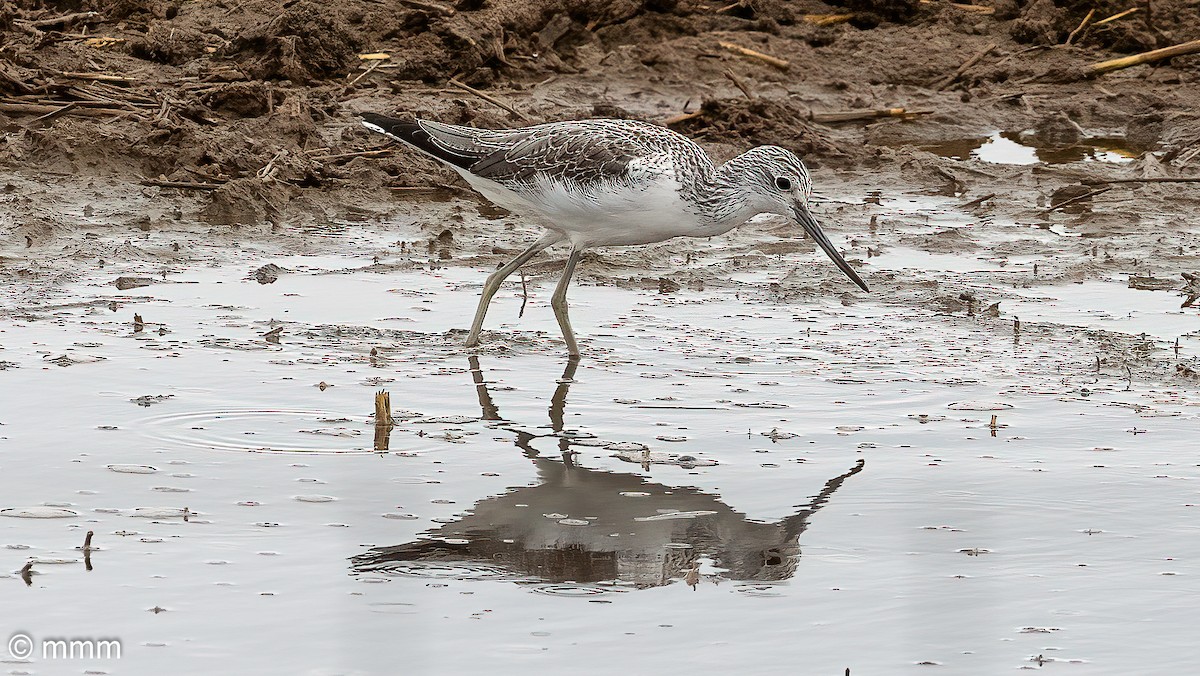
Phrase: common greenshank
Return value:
(611, 183)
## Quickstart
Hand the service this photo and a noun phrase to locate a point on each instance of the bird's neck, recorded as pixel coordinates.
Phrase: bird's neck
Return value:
(723, 200)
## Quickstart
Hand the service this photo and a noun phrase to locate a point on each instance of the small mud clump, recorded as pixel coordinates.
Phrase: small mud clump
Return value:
(167, 43)
(246, 201)
(1040, 24)
(117, 10)
(308, 42)
(267, 274)
(7, 14)
(1144, 131)
(872, 12)
(1067, 194)
(1056, 130)
(243, 99)
(126, 283)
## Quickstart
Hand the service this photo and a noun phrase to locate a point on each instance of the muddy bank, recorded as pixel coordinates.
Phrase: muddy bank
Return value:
(254, 105)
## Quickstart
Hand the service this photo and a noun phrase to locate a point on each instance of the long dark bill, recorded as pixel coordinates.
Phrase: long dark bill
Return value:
(800, 211)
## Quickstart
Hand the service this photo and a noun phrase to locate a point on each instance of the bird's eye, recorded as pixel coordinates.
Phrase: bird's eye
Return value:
(783, 183)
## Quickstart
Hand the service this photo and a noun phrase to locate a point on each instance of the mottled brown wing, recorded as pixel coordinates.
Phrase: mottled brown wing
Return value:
(586, 154)
(572, 158)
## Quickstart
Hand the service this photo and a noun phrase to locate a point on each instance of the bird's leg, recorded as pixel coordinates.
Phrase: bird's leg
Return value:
(559, 302)
(558, 402)
(492, 285)
(558, 407)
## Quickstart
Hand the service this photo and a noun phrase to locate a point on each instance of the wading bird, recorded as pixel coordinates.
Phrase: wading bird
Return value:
(611, 183)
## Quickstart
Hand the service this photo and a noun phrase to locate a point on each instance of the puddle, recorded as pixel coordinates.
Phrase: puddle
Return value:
(1106, 303)
(1109, 305)
(262, 431)
(1014, 148)
(902, 258)
(722, 468)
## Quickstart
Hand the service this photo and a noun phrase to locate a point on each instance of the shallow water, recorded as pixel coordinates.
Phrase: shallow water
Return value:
(1106, 303)
(1014, 148)
(724, 475)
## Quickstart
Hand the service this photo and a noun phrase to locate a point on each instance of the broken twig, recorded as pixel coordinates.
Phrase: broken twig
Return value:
(953, 77)
(779, 63)
(1156, 179)
(1118, 15)
(487, 97)
(977, 201)
(1145, 57)
(421, 188)
(382, 152)
(683, 117)
(64, 20)
(827, 19)
(101, 77)
(737, 82)
(383, 419)
(979, 9)
(61, 111)
(854, 115)
(430, 7)
(524, 296)
(1073, 200)
(41, 109)
(183, 185)
(1082, 25)
(370, 69)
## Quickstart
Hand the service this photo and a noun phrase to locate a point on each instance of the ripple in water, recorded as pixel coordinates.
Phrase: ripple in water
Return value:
(572, 589)
(160, 512)
(668, 516)
(589, 441)
(446, 420)
(38, 512)
(464, 570)
(627, 446)
(251, 431)
(757, 590)
(978, 406)
(133, 469)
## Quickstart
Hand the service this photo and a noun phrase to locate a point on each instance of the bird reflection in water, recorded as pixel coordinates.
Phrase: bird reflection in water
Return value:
(622, 528)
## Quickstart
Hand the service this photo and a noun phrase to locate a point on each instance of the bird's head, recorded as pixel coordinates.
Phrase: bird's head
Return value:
(779, 184)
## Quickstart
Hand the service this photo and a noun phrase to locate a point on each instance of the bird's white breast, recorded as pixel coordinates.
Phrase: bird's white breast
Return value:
(644, 210)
